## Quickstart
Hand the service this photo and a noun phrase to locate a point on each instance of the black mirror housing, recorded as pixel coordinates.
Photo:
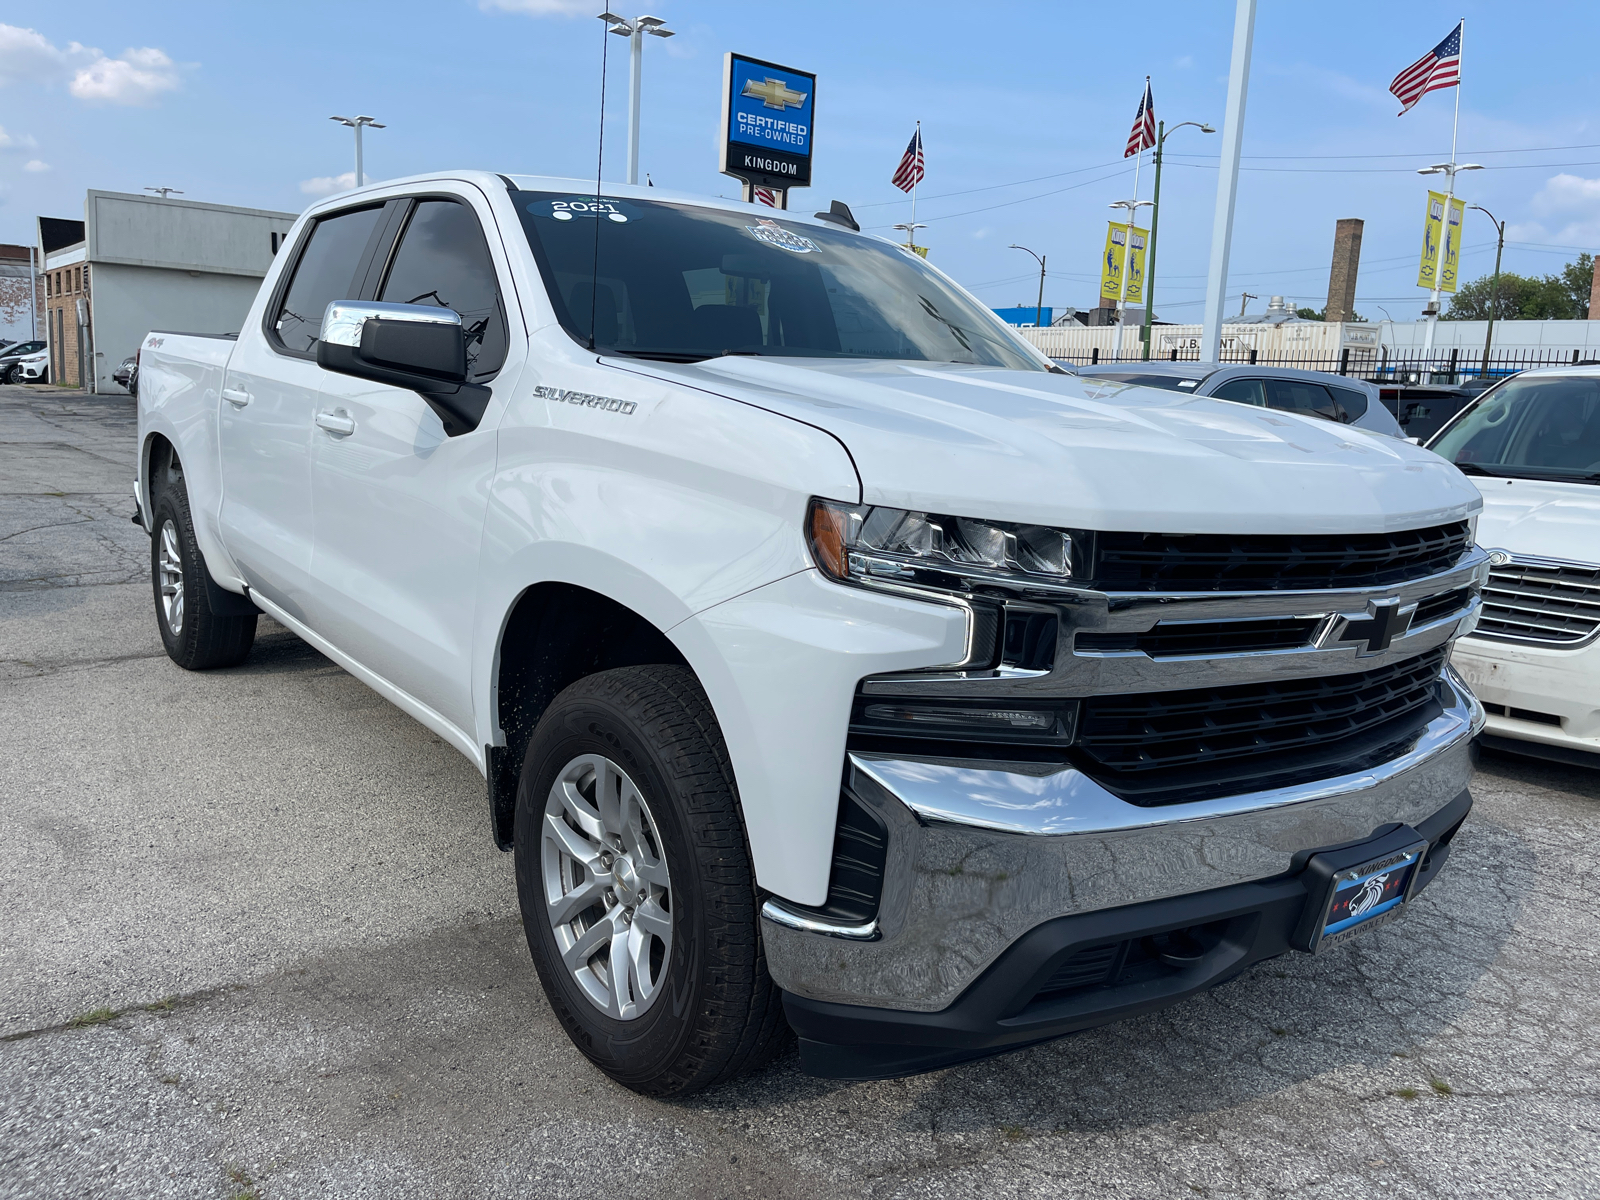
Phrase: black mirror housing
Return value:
(413, 346)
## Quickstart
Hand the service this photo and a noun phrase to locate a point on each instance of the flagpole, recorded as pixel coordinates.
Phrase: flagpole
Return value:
(1127, 244)
(916, 175)
(1450, 190)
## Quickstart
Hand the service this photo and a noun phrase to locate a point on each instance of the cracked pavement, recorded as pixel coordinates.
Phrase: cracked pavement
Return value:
(256, 943)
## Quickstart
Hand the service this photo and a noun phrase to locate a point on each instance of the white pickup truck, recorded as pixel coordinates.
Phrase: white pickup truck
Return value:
(833, 661)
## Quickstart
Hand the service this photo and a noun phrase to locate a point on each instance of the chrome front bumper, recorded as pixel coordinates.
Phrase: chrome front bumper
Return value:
(982, 852)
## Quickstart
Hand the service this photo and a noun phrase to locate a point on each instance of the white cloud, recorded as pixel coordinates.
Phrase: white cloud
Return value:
(16, 141)
(136, 78)
(27, 56)
(327, 185)
(34, 164)
(1566, 211)
(542, 8)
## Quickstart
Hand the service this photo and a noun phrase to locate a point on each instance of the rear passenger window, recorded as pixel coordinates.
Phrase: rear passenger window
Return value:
(444, 261)
(1242, 391)
(1353, 402)
(325, 273)
(1312, 399)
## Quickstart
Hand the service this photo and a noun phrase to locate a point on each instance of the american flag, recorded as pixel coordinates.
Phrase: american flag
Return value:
(1143, 134)
(909, 173)
(1438, 68)
(765, 195)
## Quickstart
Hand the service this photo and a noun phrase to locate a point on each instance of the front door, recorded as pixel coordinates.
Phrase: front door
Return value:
(268, 404)
(400, 506)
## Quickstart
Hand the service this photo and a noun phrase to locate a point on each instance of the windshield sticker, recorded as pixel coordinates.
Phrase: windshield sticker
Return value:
(774, 234)
(574, 207)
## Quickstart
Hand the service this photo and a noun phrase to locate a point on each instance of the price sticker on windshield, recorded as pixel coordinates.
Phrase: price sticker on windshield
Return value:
(774, 234)
(571, 208)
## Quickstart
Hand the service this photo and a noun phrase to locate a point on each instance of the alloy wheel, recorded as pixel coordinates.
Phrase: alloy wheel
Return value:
(607, 890)
(170, 569)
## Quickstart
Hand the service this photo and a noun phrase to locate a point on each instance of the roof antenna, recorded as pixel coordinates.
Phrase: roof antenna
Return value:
(600, 158)
(648, 182)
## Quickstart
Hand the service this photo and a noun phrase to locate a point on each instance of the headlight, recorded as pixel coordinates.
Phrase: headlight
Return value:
(863, 541)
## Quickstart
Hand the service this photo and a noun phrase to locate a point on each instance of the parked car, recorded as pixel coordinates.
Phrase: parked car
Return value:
(1422, 409)
(11, 359)
(831, 659)
(127, 374)
(1340, 398)
(1532, 445)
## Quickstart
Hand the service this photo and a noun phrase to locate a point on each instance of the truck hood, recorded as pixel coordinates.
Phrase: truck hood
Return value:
(1539, 518)
(1060, 450)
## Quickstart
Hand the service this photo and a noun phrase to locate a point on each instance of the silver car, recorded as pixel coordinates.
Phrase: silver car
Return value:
(1312, 393)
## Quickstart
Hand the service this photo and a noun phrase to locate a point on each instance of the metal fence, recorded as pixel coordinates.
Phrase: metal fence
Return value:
(1441, 367)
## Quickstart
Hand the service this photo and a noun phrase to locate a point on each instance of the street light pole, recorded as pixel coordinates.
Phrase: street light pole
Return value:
(1038, 316)
(1244, 29)
(1155, 220)
(634, 31)
(357, 123)
(1494, 288)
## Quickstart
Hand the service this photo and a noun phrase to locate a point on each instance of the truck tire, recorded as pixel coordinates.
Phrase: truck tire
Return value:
(196, 638)
(627, 801)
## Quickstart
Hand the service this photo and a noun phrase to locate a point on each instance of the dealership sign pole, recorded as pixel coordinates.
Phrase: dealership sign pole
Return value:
(766, 125)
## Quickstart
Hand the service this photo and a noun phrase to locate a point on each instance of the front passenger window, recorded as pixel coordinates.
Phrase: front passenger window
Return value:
(444, 261)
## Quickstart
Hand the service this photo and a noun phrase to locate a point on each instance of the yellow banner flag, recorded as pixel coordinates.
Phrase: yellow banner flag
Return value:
(1450, 257)
(1432, 240)
(1117, 257)
(1111, 261)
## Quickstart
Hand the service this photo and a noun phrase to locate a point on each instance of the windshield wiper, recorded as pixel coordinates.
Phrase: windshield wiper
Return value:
(678, 356)
(1467, 468)
(1508, 472)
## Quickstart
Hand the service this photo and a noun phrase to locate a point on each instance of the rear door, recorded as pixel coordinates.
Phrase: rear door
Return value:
(399, 505)
(268, 403)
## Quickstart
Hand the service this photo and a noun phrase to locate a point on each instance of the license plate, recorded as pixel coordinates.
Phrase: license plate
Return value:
(1362, 896)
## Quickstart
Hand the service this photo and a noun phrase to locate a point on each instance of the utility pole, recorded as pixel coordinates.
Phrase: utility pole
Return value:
(1244, 301)
(1155, 220)
(634, 31)
(1494, 287)
(356, 123)
(1038, 316)
(1244, 26)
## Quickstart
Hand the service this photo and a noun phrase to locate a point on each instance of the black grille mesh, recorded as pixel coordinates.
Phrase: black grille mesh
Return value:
(1164, 747)
(1143, 562)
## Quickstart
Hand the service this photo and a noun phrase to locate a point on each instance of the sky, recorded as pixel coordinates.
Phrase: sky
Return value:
(1025, 111)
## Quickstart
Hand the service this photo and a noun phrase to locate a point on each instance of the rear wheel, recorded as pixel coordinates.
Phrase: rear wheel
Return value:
(196, 638)
(637, 894)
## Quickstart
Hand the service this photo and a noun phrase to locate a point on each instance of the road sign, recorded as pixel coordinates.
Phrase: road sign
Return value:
(766, 124)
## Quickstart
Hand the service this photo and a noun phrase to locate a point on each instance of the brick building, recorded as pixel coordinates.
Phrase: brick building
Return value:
(18, 310)
(66, 301)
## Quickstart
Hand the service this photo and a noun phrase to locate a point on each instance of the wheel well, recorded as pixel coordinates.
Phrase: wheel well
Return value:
(557, 634)
(161, 466)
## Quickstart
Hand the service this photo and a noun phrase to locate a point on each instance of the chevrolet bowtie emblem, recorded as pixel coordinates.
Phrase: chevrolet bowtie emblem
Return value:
(1384, 623)
(773, 93)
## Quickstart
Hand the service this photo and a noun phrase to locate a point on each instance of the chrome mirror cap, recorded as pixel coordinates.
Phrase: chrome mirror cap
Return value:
(343, 320)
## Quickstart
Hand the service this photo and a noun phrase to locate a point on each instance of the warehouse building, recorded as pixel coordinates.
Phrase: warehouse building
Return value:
(137, 263)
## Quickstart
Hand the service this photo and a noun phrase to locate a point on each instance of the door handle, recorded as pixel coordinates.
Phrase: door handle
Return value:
(237, 397)
(336, 422)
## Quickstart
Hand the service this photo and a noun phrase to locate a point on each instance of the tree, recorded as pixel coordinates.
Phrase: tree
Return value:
(1563, 297)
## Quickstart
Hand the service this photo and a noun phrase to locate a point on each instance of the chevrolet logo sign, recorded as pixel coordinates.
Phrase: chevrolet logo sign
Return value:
(773, 93)
(1385, 621)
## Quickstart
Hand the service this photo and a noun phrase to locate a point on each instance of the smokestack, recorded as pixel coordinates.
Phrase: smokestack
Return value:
(1346, 264)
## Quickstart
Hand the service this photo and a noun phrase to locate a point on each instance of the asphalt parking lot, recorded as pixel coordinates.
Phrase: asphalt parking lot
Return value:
(255, 942)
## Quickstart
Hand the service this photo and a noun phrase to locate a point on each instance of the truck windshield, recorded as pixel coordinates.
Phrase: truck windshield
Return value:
(1533, 428)
(685, 283)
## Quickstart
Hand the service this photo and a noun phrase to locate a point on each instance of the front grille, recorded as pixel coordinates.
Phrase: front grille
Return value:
(1551, 604)
(1145, 562)
(1205, 637)
(1435, 607)
(1167, 747)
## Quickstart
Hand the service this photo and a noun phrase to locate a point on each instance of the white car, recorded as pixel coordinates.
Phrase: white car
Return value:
(831, 658)
(1532, 445)
(33, 369)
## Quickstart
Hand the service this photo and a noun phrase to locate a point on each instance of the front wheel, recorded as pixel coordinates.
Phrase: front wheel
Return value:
(637, 893)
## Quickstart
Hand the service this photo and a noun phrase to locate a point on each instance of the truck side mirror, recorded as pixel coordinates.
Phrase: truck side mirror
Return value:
(415, 346)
